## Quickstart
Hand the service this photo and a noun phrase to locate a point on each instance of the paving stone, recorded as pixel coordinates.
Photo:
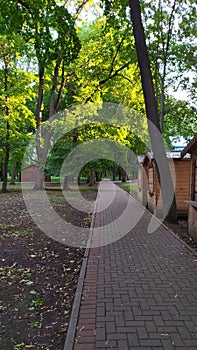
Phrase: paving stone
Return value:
(120, 321)
(150, 326)
(150, 342)
(123, 345)
(133, 340)
(144, 285)
(110, 327)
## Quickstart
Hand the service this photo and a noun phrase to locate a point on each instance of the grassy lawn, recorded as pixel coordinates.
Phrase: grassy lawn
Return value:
(129, 186)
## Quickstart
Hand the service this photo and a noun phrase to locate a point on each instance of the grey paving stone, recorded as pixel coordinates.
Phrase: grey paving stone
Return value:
(146, 288)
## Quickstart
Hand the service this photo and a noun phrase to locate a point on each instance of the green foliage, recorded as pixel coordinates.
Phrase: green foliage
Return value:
(170, 31)
(170, 28)
(95, 62)
(180, 119)
(36, 304)
(107, 59)
(51, 30)
(123, 136)
(19, 92)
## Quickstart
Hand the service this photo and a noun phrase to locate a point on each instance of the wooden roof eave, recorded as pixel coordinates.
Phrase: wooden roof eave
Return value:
(189, 147)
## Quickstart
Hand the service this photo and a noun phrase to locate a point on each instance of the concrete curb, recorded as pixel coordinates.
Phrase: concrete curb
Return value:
(70, 336)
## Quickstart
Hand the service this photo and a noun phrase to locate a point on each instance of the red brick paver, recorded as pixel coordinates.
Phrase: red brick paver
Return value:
(140, 292)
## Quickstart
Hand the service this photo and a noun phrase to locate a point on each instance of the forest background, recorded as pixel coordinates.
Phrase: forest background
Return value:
(56, 55)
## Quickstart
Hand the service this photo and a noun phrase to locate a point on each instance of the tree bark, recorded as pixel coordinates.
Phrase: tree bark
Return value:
(124, 176)
(43, 152)
(165, 61)
(92, 177)
(6, 159)
(167, 188)
(7, 141)
(12, 182)
(114, 173)
(39, 184)
(66, 183)
(98, 176)
(119, 174)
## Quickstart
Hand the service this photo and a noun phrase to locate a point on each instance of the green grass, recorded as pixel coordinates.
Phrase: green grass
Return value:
(129, 186)
(36, 303)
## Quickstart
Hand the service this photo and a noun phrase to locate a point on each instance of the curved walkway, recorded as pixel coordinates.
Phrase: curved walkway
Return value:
(139, 289)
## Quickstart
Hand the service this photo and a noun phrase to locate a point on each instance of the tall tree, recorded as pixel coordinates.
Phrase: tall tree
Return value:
(168, 26)
(49, 28)
(170, 31)
(7, 107)
(14, 111)
(167, 188)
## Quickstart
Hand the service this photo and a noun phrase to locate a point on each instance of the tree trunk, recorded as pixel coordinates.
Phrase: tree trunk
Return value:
(7, 141)
(114, 173)
(98, 176)
(13, 173)
(42, 152)
(165, 61)
(66, 183)
(39, 184)
(6, 159)
(119, 174)
(39, 112)
(92, 176)
(124, 176)
(1, 173)
(167, 188)
(39, 179)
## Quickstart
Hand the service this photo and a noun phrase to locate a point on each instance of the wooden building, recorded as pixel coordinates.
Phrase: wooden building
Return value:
(192, 202)
(180, 172)
(29, 174)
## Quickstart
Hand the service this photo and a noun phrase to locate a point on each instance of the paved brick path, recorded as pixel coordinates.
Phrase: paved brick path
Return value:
(140, 292)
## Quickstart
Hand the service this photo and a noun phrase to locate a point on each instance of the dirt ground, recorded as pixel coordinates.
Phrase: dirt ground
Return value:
(180, 229)
(38, 275)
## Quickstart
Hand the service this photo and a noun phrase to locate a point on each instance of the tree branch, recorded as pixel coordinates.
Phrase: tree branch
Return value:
(116, 54)
(126, 78)
(60, 92)
(114, 74)
(170, 26)
(65, 3)
(54, 87)
(102, 82)
(24, 4)
(80, 8)
(165, 58)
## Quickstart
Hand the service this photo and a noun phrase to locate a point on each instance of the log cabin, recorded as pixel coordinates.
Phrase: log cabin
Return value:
(192, 202)
(180, 172)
